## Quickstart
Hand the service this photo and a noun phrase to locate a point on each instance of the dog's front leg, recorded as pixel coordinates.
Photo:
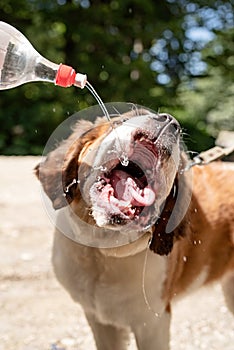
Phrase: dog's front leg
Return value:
(108, 337)
(153, 334)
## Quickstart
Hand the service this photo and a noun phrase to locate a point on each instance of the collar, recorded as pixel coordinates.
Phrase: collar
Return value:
(212, 154)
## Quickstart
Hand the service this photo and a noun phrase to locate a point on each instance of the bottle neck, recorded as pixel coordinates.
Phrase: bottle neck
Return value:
(45, 70)
(61, 75)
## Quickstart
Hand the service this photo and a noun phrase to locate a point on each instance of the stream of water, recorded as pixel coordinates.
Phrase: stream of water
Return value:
(120, 150)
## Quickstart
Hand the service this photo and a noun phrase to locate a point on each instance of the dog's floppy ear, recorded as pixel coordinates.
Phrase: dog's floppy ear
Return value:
(175, 217)
(58, 174)
(162, 241)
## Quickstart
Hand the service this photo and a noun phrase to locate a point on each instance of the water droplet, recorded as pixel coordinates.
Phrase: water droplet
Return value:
(185, 258)
(101, 167)
(124, 160)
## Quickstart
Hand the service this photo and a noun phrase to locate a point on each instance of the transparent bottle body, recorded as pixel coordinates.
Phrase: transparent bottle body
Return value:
(20, 62)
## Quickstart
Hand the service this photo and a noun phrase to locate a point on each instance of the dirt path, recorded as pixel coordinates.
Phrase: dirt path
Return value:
(37, 314)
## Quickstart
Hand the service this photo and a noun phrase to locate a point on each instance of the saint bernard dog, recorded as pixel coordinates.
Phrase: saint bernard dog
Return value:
(135, 228)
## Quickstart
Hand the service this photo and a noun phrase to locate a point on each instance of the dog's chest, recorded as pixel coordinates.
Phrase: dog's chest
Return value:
(116, 290)
(122, 289)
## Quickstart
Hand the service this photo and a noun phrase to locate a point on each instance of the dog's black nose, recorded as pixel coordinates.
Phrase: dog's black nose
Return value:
(172, 124)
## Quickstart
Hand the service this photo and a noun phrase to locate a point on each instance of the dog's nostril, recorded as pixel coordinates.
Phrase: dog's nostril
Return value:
(163, 117)
(175, 127)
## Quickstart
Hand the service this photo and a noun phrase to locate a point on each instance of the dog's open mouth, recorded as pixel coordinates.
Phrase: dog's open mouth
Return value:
(122, 192)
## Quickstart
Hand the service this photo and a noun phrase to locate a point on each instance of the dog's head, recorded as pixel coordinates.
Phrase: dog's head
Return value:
(122, 176)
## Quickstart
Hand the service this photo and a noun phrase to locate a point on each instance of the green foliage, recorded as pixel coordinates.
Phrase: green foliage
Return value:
(208, 100)
(133, 51)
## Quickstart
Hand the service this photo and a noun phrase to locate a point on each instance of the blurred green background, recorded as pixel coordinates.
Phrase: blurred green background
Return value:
(172, 56)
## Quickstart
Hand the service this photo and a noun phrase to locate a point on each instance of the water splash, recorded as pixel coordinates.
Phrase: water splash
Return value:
(121, 154)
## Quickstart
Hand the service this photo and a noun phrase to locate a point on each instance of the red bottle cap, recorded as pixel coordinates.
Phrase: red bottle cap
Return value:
(65, 76)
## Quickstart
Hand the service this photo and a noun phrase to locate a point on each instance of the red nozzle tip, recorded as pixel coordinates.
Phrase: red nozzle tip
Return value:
(65, 76)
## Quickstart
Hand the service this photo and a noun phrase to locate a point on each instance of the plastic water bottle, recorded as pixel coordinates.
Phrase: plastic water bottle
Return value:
(21, 63)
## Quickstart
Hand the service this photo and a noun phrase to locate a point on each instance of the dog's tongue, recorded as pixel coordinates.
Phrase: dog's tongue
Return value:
(127, 190)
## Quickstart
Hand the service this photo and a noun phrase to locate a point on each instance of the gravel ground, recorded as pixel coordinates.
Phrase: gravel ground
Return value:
(37, 314)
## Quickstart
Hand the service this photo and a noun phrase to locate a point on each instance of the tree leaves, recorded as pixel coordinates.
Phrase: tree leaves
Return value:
(143, 52)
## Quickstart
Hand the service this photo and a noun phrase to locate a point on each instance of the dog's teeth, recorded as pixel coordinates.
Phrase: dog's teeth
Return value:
(145, 139)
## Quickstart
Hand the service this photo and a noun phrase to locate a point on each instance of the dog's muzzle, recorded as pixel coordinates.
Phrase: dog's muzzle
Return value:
(130, 195)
